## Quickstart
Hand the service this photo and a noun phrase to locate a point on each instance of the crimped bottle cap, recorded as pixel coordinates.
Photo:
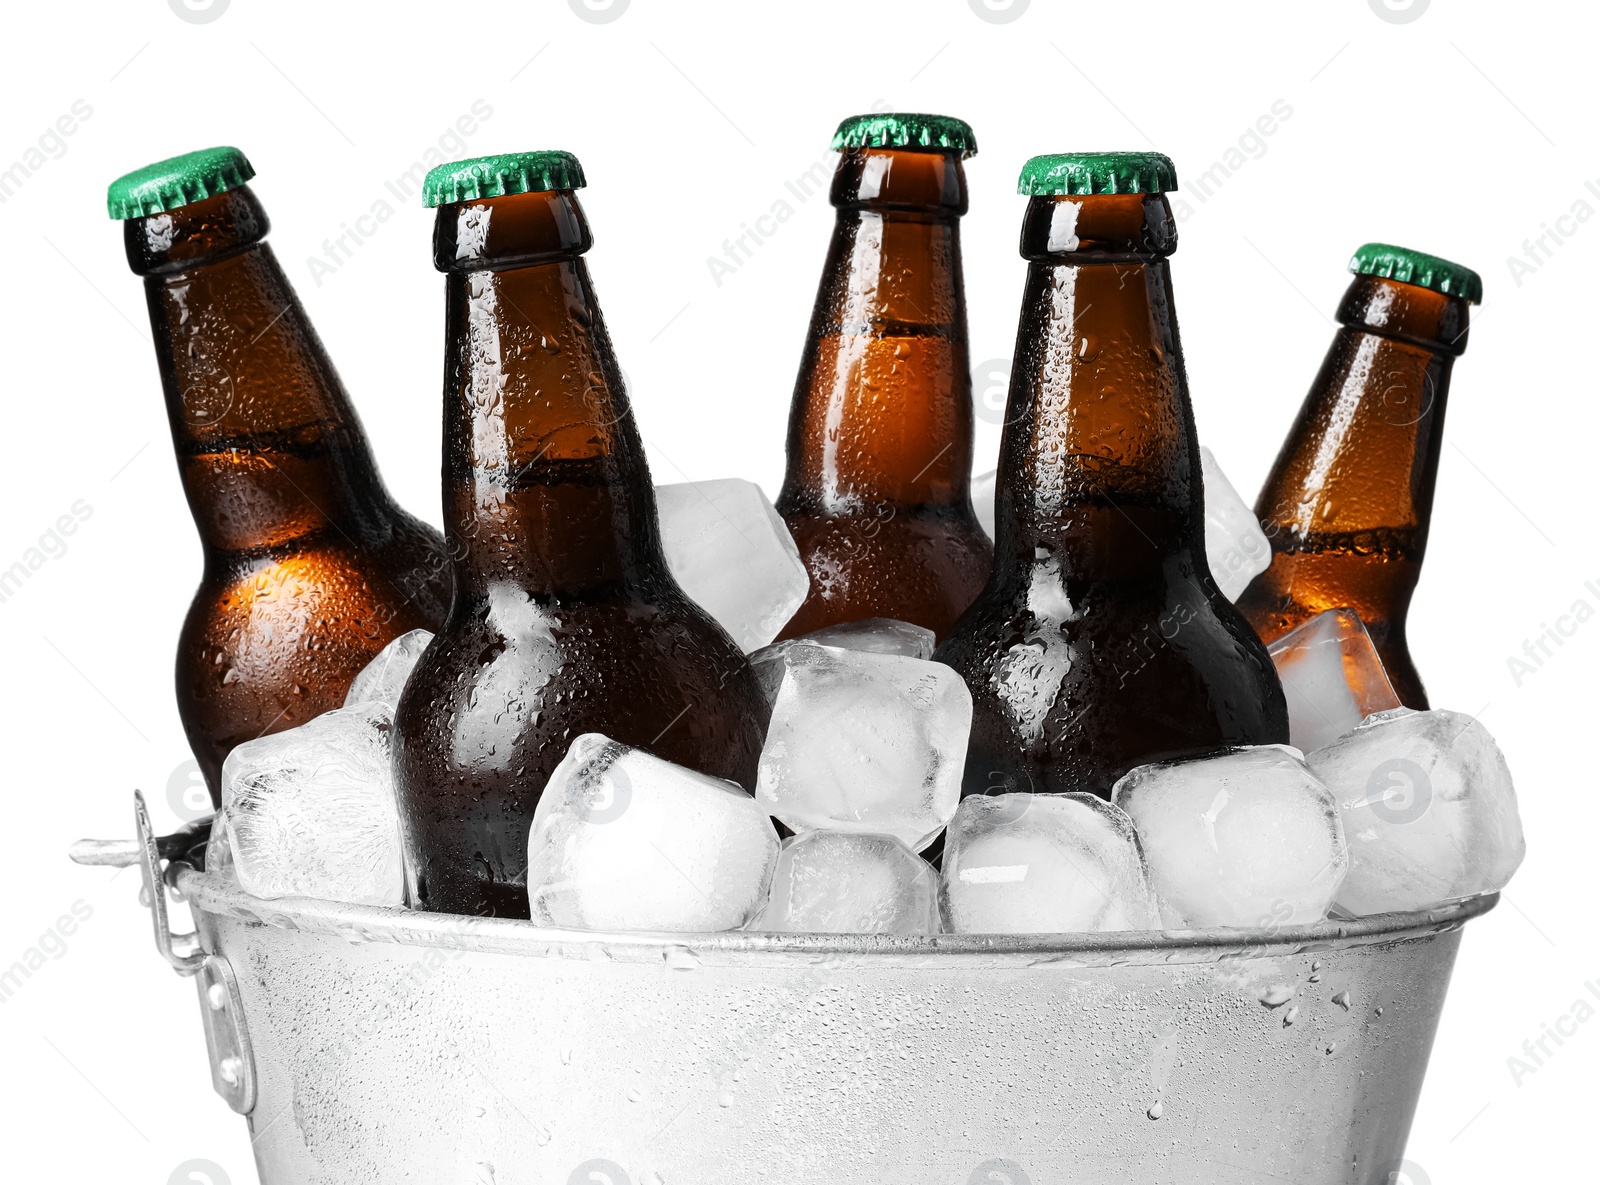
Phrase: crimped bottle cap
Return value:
(501, 175)
(178, 181)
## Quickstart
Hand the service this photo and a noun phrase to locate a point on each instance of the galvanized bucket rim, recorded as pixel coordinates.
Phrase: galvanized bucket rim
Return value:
(215, 894)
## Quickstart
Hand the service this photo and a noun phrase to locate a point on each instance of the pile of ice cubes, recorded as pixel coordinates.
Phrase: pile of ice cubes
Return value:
(1372, 808)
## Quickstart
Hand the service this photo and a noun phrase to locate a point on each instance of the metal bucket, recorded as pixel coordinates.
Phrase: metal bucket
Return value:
(380, 1045)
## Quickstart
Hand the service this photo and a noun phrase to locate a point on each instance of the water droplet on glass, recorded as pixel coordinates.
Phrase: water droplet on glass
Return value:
(1289, 1017)
(1342, 999)
(1277, 995)
(1156, 1110)
(681, 958)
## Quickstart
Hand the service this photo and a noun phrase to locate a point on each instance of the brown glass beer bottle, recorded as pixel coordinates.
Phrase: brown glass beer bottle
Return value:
(1348, 500)
(880, 431)
(311, 567)
(566, 619)
(1101, 641)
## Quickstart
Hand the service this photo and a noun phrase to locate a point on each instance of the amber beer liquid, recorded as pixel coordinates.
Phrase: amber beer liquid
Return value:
(1100, 641)
(1349, 499)
(880, 430)
(566, 619)
(311, 567)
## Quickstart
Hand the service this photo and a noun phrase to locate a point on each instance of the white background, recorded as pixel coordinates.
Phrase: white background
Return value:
(1464, 132)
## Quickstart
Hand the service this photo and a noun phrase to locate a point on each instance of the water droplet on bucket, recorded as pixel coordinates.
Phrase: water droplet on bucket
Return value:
(634, 1094)
(725, 1099)
(681, 958)
(1289, 1017)
(1156, 1110)
(1342, 999)
(1277, 995)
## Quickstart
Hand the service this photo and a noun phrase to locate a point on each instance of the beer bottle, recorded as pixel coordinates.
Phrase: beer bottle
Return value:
(1101, 641)
(566, 619)
(1348, 500)
(880, 431)
(311, 567)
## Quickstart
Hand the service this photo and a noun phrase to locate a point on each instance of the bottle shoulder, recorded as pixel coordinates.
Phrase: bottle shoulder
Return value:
(590, 641)
(501, 693)
(1180, 622)
(921, 568)
(1074, 697)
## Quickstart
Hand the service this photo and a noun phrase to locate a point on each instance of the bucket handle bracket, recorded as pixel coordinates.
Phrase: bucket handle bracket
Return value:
(233, 1067)
(181, 951)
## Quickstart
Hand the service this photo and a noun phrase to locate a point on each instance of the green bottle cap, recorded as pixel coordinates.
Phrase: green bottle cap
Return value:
(910, 130)
(1416, 267)
(168, 184)
(1061, 173)
(501, 175)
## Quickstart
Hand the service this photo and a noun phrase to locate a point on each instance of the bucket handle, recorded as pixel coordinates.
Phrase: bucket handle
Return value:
(233, 1072)
(182, 951)
(147, 850)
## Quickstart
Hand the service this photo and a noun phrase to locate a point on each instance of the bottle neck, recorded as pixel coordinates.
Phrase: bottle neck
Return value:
(547, 490)
(1359, 466)
(1099, 464)
(269, 448)
(882, 409)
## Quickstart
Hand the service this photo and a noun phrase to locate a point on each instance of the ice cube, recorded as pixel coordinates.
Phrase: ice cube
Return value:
(1428, 808)
(835, 882)
(384, 678)
(623, 840)
(877, 635)
(311, 811)
(1332, 677)
(983, 500)
(1236, 548)
(733, 555)
(219, 849)
(1043, 863)
(873, 635)
(1248, 838)
(867, 743)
